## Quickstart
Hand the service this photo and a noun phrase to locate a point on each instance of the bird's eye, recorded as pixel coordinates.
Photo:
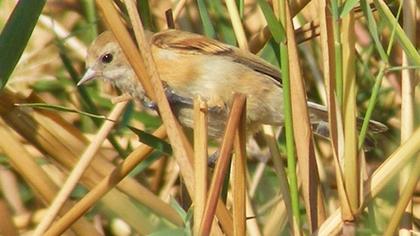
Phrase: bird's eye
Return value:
(107, 58)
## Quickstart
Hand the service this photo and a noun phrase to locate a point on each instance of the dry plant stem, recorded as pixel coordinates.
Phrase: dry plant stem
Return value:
(308, 170)
(78, 170)
(200, 161)
(9, 187)
(407, 106)
(236, 23)
(222, 163)
(280, 169)
(379, 179)
(252, 227)
(105, 185)
(259, 39)
(404, 201)
(178, 9)
(334, 116)
(7, 226)
(72, 42)
(352, 176)
(256, 179)
(64, 143)
(181, 147)
(123, 98)
(239, 192)
(277, 219)
(23, 163)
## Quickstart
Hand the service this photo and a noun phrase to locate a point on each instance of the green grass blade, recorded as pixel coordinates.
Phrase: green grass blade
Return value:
(15, 35)
(347, 7)
(404, 41)
(373, 29)
(205, 19)
(274, 25)
(89, 10)
(152, 141)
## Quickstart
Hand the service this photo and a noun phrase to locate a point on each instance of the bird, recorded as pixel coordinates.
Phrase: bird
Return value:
(191, 65)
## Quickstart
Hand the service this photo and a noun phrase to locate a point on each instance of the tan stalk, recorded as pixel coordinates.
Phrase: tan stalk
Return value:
(200, 161)
(178, 9)
(42, 185)
(404, 201)
(239, 185)
(236, 23)
(334, 117)
(106, 184)
(407, 106)
(279, 167)
(79, 169)
(7, 227)
(379, 179)
(308, 170)
(222, 163)
(351, 158)
(63, 142)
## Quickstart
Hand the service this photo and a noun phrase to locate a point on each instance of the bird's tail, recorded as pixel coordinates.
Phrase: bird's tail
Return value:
(319, 119)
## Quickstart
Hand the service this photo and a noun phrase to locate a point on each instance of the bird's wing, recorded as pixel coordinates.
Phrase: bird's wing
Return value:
(190, 43)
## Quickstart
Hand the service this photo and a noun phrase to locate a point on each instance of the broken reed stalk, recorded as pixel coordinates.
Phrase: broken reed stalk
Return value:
(200, 161)
(109, 182)
(238, 107)
(239, 184)
(79, 169)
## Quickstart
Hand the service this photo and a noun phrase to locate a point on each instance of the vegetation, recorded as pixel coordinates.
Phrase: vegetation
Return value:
(107, 168)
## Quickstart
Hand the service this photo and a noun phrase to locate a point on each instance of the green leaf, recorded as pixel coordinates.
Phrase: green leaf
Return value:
(274, 25)
(152, 141)
(15, 35)
(146, 16)
(205, 19)
(373, 29)
(59, 108)
(348, 6)
(404, 41)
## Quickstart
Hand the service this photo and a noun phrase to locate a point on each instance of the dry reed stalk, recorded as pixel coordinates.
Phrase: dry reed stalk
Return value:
(222, 164)
(408, 109)
(178, 8)
(64, 143)
(200, 161)
(42, 185)
(73, 43)
(308, 169)
(334, 114)
(79, 170)
(236, 24)
(239, 184)
(7, 227)
(404, 202)
(378, 180)
(10, 190)
(351, 169)
(109, 182)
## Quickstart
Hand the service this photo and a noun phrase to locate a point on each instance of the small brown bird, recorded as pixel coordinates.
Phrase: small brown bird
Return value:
(191, 65)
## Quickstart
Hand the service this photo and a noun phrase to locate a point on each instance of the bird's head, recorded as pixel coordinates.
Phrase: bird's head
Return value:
(105, 60)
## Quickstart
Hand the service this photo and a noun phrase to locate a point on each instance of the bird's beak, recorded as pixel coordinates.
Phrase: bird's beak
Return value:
(89, 75)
